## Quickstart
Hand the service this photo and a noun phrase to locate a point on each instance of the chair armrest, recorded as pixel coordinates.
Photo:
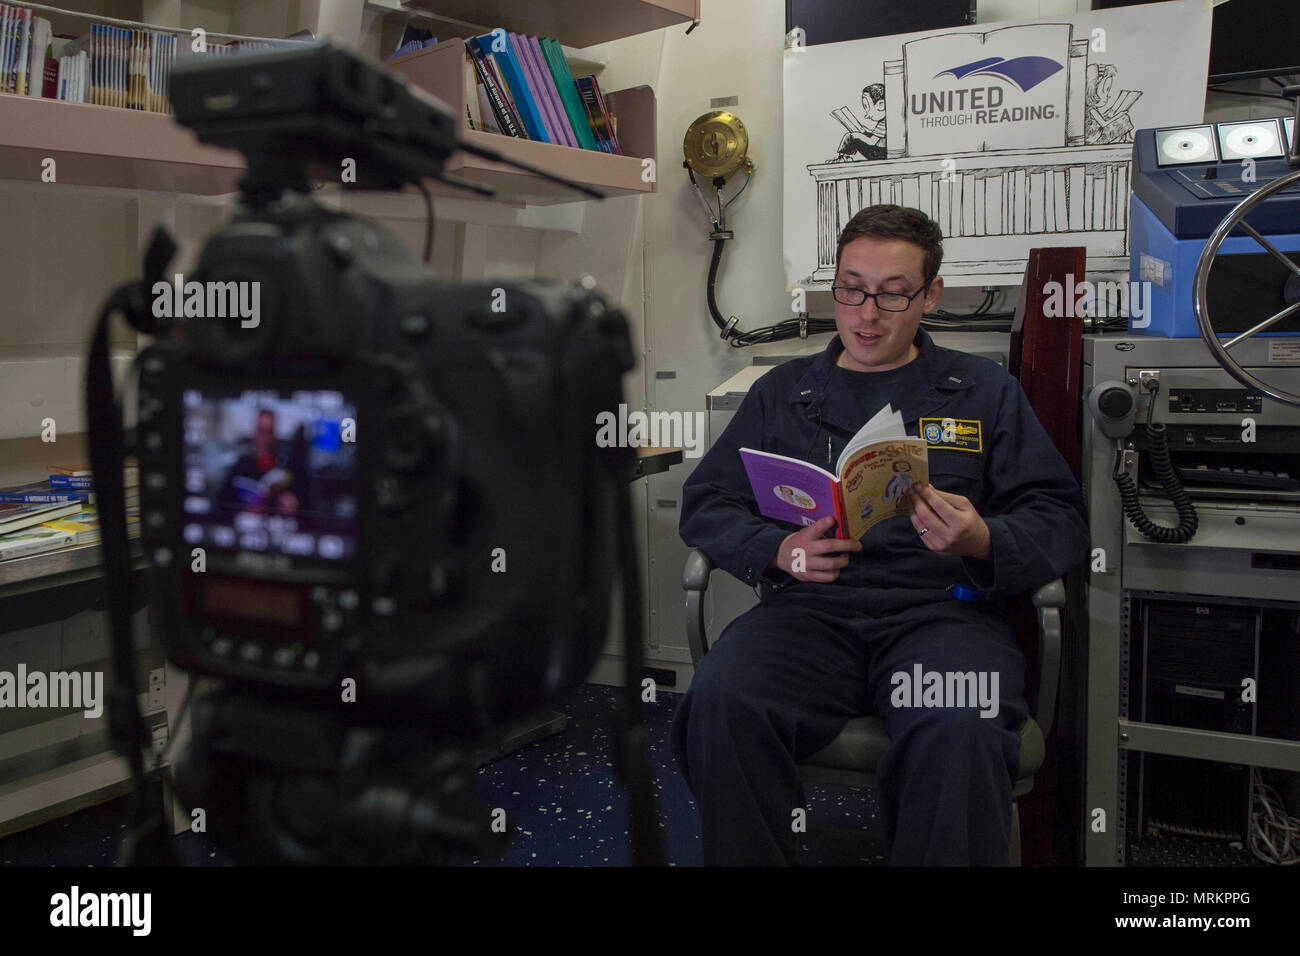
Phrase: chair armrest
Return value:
(695, 581)
(1049, 600)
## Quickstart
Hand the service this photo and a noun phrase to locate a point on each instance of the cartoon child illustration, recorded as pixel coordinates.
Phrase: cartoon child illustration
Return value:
(870, 143)
(1107, 118)
(902, 480)
(785, 493)
(866, 507)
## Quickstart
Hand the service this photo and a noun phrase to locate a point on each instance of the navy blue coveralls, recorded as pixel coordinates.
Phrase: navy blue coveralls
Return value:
(784, 678)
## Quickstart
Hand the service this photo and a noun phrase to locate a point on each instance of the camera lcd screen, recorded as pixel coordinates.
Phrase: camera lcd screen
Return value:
(271, 472)
(253, 601)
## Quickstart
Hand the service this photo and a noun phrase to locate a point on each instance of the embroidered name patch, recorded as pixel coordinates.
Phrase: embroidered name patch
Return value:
(962, 434)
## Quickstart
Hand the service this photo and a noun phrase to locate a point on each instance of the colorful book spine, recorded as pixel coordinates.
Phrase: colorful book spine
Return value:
(552, 92)
(599, 121)
(6, 22)
(519, 45)
(48, 497)
(504, 117)
(611, 123)
(24, 52)
(512, 73)
(568, 92)
(510, 100)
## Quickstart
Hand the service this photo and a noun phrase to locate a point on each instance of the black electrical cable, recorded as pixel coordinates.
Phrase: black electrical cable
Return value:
(803, 326)
(785, 329)
(1158, 449)
(718, 320)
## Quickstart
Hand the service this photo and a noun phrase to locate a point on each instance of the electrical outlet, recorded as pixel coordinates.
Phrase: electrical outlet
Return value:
(159, 740)
(156, 699)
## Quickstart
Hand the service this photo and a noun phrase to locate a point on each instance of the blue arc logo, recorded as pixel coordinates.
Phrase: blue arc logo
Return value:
(1024, 71)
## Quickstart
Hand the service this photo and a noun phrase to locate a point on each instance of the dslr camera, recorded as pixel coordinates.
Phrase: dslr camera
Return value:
(377, 522)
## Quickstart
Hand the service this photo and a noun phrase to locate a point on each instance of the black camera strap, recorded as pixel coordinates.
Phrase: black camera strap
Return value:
(147, 841)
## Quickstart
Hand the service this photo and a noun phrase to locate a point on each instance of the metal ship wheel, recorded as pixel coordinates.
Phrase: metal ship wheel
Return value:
(1201, 280)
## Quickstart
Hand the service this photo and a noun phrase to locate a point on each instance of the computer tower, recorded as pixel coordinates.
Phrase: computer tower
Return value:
(1198, 663)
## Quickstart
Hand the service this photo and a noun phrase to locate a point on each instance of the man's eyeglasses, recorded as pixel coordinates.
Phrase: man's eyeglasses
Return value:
(885, 301)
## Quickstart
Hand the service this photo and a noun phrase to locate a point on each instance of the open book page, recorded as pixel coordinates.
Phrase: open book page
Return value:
(876, 480)
(788, 489)
(847, 120)
(886, 423)
(1123, 103)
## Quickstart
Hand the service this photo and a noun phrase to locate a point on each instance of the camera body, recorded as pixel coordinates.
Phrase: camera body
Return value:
(382, 491)
(378, 522)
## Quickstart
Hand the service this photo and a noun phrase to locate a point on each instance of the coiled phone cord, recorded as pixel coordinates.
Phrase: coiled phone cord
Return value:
(1158, 448)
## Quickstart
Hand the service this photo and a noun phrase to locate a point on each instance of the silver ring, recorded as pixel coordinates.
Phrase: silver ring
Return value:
(923, 531)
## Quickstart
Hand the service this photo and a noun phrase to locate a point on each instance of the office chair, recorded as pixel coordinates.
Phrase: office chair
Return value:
(852, 757)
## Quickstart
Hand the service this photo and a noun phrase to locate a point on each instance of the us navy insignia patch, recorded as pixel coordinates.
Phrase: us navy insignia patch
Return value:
(960, 434)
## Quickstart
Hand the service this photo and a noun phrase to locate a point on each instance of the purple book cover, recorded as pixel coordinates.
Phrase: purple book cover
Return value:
(525, 57)
(551, 93)
(789, 490)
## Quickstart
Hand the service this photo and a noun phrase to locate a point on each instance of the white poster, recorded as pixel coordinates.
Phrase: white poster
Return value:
(1011, 135)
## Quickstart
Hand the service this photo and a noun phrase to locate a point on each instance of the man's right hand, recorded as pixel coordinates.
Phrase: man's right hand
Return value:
(818, 559)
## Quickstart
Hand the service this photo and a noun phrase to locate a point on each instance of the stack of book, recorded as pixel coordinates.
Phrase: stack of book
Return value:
(58, 512)
(521, 86)
(109, 66)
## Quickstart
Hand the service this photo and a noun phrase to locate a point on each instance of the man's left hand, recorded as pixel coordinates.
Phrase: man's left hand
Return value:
(950, 522)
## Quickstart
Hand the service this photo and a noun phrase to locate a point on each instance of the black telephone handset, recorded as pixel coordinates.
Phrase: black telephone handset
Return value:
(1114, 406)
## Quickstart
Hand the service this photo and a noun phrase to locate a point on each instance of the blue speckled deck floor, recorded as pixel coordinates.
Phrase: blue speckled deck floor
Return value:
(562, 801)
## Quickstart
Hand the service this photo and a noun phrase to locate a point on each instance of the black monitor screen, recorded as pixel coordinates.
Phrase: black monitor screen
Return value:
(831, 21)
(1250, 37)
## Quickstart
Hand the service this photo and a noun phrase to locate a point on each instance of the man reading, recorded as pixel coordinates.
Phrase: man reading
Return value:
(841, 620)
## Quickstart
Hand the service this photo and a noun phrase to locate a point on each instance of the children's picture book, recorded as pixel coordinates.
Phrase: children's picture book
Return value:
(84, 527)
(16, 515)
(877, 467)
(39, 492)
(19, 544)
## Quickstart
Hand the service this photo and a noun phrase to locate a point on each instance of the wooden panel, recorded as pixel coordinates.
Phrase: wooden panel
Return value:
(1047, 357)
(1046, 351)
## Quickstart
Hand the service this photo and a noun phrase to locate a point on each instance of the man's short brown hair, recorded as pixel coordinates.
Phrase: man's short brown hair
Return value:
(896, 222)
